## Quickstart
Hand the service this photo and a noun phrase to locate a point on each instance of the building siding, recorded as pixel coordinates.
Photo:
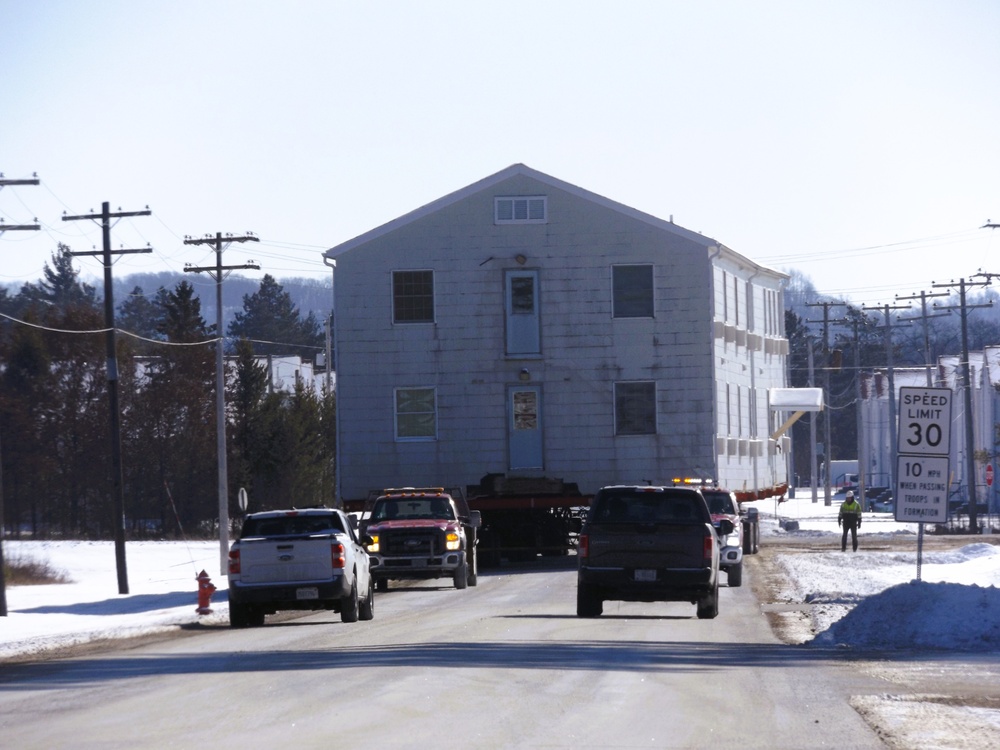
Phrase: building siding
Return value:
(584, 350)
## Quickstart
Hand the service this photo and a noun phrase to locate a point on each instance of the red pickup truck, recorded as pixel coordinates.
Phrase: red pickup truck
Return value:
(420, 533)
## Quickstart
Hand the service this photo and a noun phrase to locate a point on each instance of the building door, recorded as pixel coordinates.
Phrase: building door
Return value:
(522, 313)
(524, 426)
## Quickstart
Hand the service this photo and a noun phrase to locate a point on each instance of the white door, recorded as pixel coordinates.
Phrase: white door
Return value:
(522, 313)
(524, 426)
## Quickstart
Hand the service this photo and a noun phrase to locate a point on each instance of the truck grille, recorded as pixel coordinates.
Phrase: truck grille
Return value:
(410, 543)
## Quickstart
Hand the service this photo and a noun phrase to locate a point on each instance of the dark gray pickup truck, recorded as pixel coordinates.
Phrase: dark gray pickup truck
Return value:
(649, 544)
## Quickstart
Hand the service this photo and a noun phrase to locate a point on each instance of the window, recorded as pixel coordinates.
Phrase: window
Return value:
(412, 296)
(633, 291)
(416, 414)
(526, 210)
(635, 408)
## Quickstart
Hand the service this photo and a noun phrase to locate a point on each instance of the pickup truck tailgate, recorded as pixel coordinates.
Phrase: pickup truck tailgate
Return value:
(636, 546)
(286, 561)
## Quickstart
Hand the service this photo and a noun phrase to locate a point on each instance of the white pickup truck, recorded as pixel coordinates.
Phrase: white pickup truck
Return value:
(299, 559)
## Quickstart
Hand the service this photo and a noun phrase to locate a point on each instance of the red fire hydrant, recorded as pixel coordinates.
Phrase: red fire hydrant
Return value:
(205, 590)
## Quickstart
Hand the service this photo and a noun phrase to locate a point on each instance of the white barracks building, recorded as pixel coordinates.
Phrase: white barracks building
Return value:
(525, 327)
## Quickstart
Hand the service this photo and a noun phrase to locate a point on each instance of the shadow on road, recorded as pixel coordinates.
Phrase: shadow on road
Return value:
(593, 655)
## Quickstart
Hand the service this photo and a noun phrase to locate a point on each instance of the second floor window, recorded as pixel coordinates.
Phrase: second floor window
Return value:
(413, 297)
(632, 291)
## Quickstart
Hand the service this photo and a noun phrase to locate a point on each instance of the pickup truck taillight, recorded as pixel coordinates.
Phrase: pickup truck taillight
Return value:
(337, 556)
(234, 562)
(583, 546)
(708, 545)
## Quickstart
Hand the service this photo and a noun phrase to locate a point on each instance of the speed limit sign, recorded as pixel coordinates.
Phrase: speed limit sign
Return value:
(924, 421)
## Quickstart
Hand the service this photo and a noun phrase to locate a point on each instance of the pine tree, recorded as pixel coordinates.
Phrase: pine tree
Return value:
(272, 323)
(61, 286)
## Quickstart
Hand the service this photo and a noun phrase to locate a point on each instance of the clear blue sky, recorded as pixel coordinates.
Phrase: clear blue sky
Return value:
(854, 141)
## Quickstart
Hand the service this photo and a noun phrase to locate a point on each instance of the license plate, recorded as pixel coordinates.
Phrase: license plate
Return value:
(645, 575)
(310, 592)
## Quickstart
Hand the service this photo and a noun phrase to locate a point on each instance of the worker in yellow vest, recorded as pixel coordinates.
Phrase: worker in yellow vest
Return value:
(850, 519)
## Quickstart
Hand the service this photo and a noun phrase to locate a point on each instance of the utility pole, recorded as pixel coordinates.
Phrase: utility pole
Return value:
(813, 477)
(827, 449)
(923, 297)
(4, 228)
(890, 366)
(219, 272)
(970, 458)
(117, 475)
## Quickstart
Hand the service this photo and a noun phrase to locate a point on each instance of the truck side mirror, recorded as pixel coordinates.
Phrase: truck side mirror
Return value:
(726, 527)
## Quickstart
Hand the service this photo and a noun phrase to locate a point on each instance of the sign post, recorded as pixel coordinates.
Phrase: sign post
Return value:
(923, 445)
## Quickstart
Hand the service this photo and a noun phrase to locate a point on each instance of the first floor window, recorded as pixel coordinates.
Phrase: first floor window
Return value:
(416, 414)
(635, 408)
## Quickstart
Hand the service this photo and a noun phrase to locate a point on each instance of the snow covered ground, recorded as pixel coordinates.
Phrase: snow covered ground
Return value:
(872, 598)
(856, 596)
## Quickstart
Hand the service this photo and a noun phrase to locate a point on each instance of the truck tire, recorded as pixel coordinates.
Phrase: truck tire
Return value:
(366, 609)
(349, 605)
(461, 576)
(256, 617)
(239, 615)
(734, 576)
(588, 601)
(473, 565)
(747, 538)
(708, 607)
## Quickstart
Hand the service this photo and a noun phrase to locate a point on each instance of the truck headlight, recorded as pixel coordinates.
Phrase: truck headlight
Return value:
(452, 541)
(733, 540)
(373, 547)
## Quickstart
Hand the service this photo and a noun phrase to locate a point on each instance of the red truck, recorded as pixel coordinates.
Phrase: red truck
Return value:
(421, 533)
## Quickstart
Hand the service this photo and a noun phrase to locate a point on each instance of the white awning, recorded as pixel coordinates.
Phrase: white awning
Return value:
(795, 399)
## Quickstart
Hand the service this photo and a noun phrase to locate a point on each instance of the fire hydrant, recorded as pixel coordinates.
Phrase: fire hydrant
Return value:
(205, 590)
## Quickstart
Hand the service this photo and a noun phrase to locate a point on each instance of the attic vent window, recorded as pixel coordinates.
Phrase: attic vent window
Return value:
(521, 210)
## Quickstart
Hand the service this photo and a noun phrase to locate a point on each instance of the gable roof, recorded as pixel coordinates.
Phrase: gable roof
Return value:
(522, 170)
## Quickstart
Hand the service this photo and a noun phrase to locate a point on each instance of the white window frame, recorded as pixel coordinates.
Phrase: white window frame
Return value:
(506, 209)
(421, 321)
(396, 415)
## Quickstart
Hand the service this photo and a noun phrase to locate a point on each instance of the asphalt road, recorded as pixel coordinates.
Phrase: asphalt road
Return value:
(506, 664)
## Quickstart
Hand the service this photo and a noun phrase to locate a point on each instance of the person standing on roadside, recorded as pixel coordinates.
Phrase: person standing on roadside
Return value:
(850, 520)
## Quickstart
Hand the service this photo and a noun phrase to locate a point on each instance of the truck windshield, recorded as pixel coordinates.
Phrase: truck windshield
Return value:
(413, 508)
(647, 508)
(719, 502)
